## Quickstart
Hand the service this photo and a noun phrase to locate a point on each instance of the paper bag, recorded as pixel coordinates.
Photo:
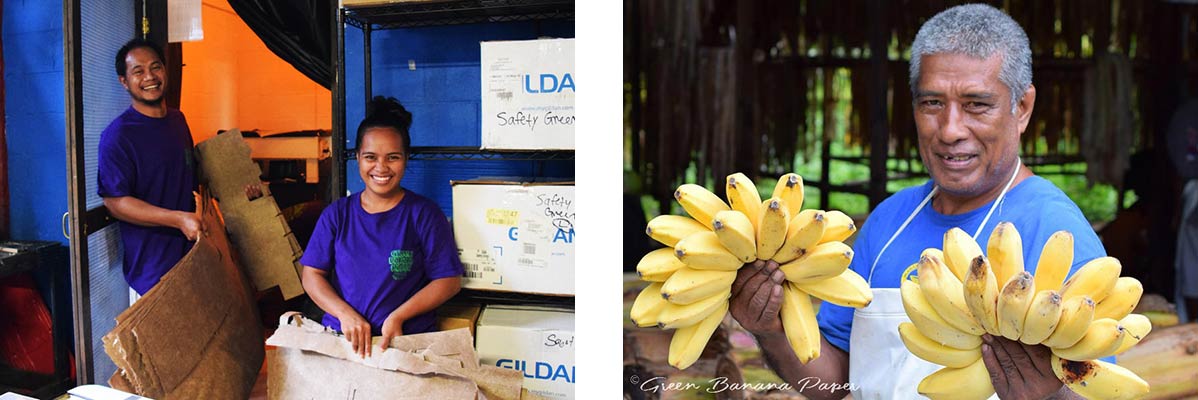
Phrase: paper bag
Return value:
(310, 362)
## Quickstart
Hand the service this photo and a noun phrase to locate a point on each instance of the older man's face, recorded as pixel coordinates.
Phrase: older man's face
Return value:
(968, 138)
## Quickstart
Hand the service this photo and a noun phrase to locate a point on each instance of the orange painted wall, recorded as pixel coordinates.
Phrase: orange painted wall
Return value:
(231, 80)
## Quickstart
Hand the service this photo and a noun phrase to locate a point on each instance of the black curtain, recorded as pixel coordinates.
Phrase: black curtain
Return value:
(297, 31)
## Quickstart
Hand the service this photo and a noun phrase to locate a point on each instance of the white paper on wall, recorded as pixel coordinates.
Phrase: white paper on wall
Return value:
(185, 21)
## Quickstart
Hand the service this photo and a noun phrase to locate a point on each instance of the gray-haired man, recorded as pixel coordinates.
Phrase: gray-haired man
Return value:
(973, 97)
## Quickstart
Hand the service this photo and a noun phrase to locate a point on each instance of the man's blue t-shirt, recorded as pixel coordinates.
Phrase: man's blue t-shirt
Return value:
(1035, 206)
(149, 159)
(379, 261)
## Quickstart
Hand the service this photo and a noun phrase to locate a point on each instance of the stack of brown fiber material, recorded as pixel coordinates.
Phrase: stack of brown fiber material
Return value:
(196, 334)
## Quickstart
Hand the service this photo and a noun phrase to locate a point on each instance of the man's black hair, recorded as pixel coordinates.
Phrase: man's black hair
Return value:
(133, 44)
(386, 112)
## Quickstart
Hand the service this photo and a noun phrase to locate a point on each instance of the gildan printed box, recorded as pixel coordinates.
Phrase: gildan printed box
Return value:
(515, 237)
(528, 94)
(537, 341)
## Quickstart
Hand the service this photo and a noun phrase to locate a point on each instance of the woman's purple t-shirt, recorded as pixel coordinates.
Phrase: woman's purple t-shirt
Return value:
(379, 261)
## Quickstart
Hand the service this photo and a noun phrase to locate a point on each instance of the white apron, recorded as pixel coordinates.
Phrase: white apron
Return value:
(880, 366)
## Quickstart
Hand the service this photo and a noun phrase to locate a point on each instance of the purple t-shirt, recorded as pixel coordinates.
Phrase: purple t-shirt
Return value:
(379, 261)
(149, 159)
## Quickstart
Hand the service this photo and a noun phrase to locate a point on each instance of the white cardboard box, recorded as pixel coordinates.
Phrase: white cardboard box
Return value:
(528, 94)
(536, 341)
(515, 237)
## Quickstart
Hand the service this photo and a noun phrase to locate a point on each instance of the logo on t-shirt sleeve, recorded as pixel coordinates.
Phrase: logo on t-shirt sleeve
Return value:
(401, 263)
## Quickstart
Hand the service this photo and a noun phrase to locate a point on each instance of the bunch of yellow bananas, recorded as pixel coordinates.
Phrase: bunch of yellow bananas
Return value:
(960, 294)
(692, 279)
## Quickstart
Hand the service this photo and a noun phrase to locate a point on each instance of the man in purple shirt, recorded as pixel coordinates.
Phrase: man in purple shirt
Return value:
(146, 171)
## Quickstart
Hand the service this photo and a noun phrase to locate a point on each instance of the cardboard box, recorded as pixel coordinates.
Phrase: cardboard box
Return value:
(515, 237)
(539, 342)
(260, 233)
(528, 94)
(455, 316)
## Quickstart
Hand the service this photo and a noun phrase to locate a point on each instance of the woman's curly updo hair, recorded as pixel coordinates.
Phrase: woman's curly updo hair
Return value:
(386, 112)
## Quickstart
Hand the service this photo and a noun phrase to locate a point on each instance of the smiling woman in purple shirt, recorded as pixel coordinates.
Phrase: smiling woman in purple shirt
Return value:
(381, 260)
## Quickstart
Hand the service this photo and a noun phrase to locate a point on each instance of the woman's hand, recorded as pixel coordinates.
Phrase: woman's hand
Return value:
(357, 331)
(392, 327)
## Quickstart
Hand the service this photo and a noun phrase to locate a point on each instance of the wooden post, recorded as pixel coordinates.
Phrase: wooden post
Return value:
(1163, 184)
(748, 135)
(879, 136)
(825, 162)
(632, 73)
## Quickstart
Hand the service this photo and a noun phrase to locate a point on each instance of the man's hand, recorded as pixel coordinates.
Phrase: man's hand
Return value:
(757, 298)
(1019, 371)
(392, 327)
(357, 332)
(191, 225)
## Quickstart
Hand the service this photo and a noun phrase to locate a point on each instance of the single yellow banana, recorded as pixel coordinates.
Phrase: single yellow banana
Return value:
(1122, 299)
(822, 262)
(736, 234)
(798, 320)
(946, 294)
(847, 289)
(1013, 303)
(699, 202)
(688, 343)
(959, 251)
(1055, 260)
(1102, 338)
(1076, 315)
(930, 323)
(969, 383)
(932, 252)
(981, 294)
(1095, 279)
(802, 233)
(790, 188)
(703, 250)
(1043, 314)
(658, 265)
(647, 306)
(1005, 251)
(669, 229)
(744, 197)
(689, 285)
(674, 316)
(837, 227)
(1138, 326)
(771, 230)
(1099, 379)
(923, 347)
